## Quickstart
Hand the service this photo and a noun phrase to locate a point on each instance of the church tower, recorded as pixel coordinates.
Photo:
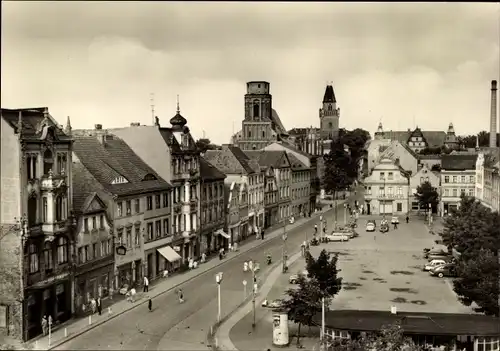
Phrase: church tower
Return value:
(257, 127)
(329, 115)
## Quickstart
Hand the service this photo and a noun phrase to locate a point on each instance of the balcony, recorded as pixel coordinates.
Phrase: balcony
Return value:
(185, 175)
(52, 182)
(390, 196)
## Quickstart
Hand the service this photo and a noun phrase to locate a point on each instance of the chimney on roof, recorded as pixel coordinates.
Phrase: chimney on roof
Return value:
(493, 114)
(98, 126)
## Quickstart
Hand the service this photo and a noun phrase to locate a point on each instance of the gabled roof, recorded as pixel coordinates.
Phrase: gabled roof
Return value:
(209, 171)
(454, 162)
(84, 185)
(302, 131)
(114, 159)
(293, 148)
(433, 138)
(32, 120)
(231, 160)
(269, 158)
(387, 149)
(295, 163)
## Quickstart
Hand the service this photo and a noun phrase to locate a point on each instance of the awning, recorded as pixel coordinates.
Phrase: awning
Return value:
(169, 254)
(224, 234)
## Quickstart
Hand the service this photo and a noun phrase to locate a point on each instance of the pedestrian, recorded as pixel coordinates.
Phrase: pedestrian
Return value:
(395, 225)
(146, 284)
(203, 257)
(221, 254)
(132, 294)
(44, 325)
(262, 234)
(93, 305)
(181, 296)
(99, 305)
(150, 305)
(407, 219)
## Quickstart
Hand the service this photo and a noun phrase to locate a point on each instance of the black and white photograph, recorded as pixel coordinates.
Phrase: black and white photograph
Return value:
(250, 176)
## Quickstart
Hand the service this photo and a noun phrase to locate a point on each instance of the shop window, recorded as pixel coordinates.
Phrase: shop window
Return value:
(62, 250)
(488, 344)
(105, 285)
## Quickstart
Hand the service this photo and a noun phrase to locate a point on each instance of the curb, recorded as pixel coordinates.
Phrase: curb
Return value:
(91, 327)
(295, 257)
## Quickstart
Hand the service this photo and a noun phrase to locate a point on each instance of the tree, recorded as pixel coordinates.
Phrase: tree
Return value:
(389, 338)
(478, 282)
(324, 271)
(303, 303)
(204, 144)
(427, 195)
(356, 141)
(473, 231)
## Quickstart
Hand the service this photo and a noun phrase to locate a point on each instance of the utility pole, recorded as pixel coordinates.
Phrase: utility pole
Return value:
(284, 255)
(254, 292)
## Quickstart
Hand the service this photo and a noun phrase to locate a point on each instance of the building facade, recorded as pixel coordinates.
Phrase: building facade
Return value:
(232, 192)
(38, 229)
(94, 271)
(300, 187)
(387, 189)
(137, 202)
(172, 153)
(261, 125)
(239, 168)
(279, 163)
(329, 115)
(487, 188)
(422, 176)
(418, 139)
(397, 152)
(458, 173)
(213, 207)
(271, 198)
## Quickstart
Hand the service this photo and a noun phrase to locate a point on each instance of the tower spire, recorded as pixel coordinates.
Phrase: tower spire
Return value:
(178, 108)
(68, 128)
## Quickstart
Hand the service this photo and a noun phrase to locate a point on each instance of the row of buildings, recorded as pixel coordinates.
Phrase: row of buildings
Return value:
(395, 169)
(89, 213)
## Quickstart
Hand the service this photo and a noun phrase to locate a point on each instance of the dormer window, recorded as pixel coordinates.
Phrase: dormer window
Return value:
(119, 180)
(149, 176)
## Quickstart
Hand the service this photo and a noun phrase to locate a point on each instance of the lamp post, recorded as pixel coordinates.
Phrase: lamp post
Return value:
(218, 279)
(285, 254)
(320, 227)
(254, 292)
(345, 214)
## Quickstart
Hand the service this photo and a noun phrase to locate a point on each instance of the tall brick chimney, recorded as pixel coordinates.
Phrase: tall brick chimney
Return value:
(493, 114)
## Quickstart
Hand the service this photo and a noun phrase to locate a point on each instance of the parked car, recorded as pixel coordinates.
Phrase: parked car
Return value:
(384, 227)
(295, 277)
(434, 263)
(370, 226)
(394, 220)
(273, 304)
(445, 270)
(435, 251)
(337, 236)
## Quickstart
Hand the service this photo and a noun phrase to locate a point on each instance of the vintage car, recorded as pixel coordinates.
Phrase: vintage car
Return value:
(370, 226)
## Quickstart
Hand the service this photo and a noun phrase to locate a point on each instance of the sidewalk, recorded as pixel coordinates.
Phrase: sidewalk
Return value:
(76, 327)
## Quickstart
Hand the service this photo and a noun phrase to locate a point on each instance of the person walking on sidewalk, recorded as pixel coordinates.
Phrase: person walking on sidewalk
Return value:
(407, 219)
(44, 325)
(146, 284)
(99, 305)
(262, 233)
(181, 296)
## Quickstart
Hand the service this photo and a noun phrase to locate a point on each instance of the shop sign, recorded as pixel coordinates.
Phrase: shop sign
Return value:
(3, 316)
(52, 279)
(121, 250)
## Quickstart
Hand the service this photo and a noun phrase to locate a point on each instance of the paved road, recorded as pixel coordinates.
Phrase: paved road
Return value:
(174, 326)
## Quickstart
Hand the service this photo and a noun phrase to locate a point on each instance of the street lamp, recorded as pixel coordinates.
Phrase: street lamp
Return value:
(254, 292)
(284, 254)
(218, 279)
(345, 214)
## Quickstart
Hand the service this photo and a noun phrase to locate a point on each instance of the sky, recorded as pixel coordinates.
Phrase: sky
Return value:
(404, 64)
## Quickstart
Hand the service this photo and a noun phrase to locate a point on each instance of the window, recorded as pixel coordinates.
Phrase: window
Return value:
(48, 257)
(137, 237)
(391, 176)
(471, 191)
(101, 221)
(94, 251)
(446, 179)
(128, 207)
(455, 192)
(488, 344)
(110, 246)
(61, 163)
(94, 224)
(59, 208)
(137, 206)
(471, 179)
(119, 209)
(399, 207)
(150, 231)
(33, 258)
(382, 175)
(86, 225)
(422, 180)
(104, 248)
(400, 191)
(463, 179)
(81, 257)
(256, 108)
(157, 201)
(87, 253)
(47, 162)
(120, 237)
(31, 161)
(149, 203)
(129, 237)
(165, 200)
(462, 192)
(446, 192)
(165, 226)
(62, 250)
(158, 228)
(454, 179)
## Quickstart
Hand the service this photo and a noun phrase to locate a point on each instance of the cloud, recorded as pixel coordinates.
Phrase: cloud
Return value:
(99, 61)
